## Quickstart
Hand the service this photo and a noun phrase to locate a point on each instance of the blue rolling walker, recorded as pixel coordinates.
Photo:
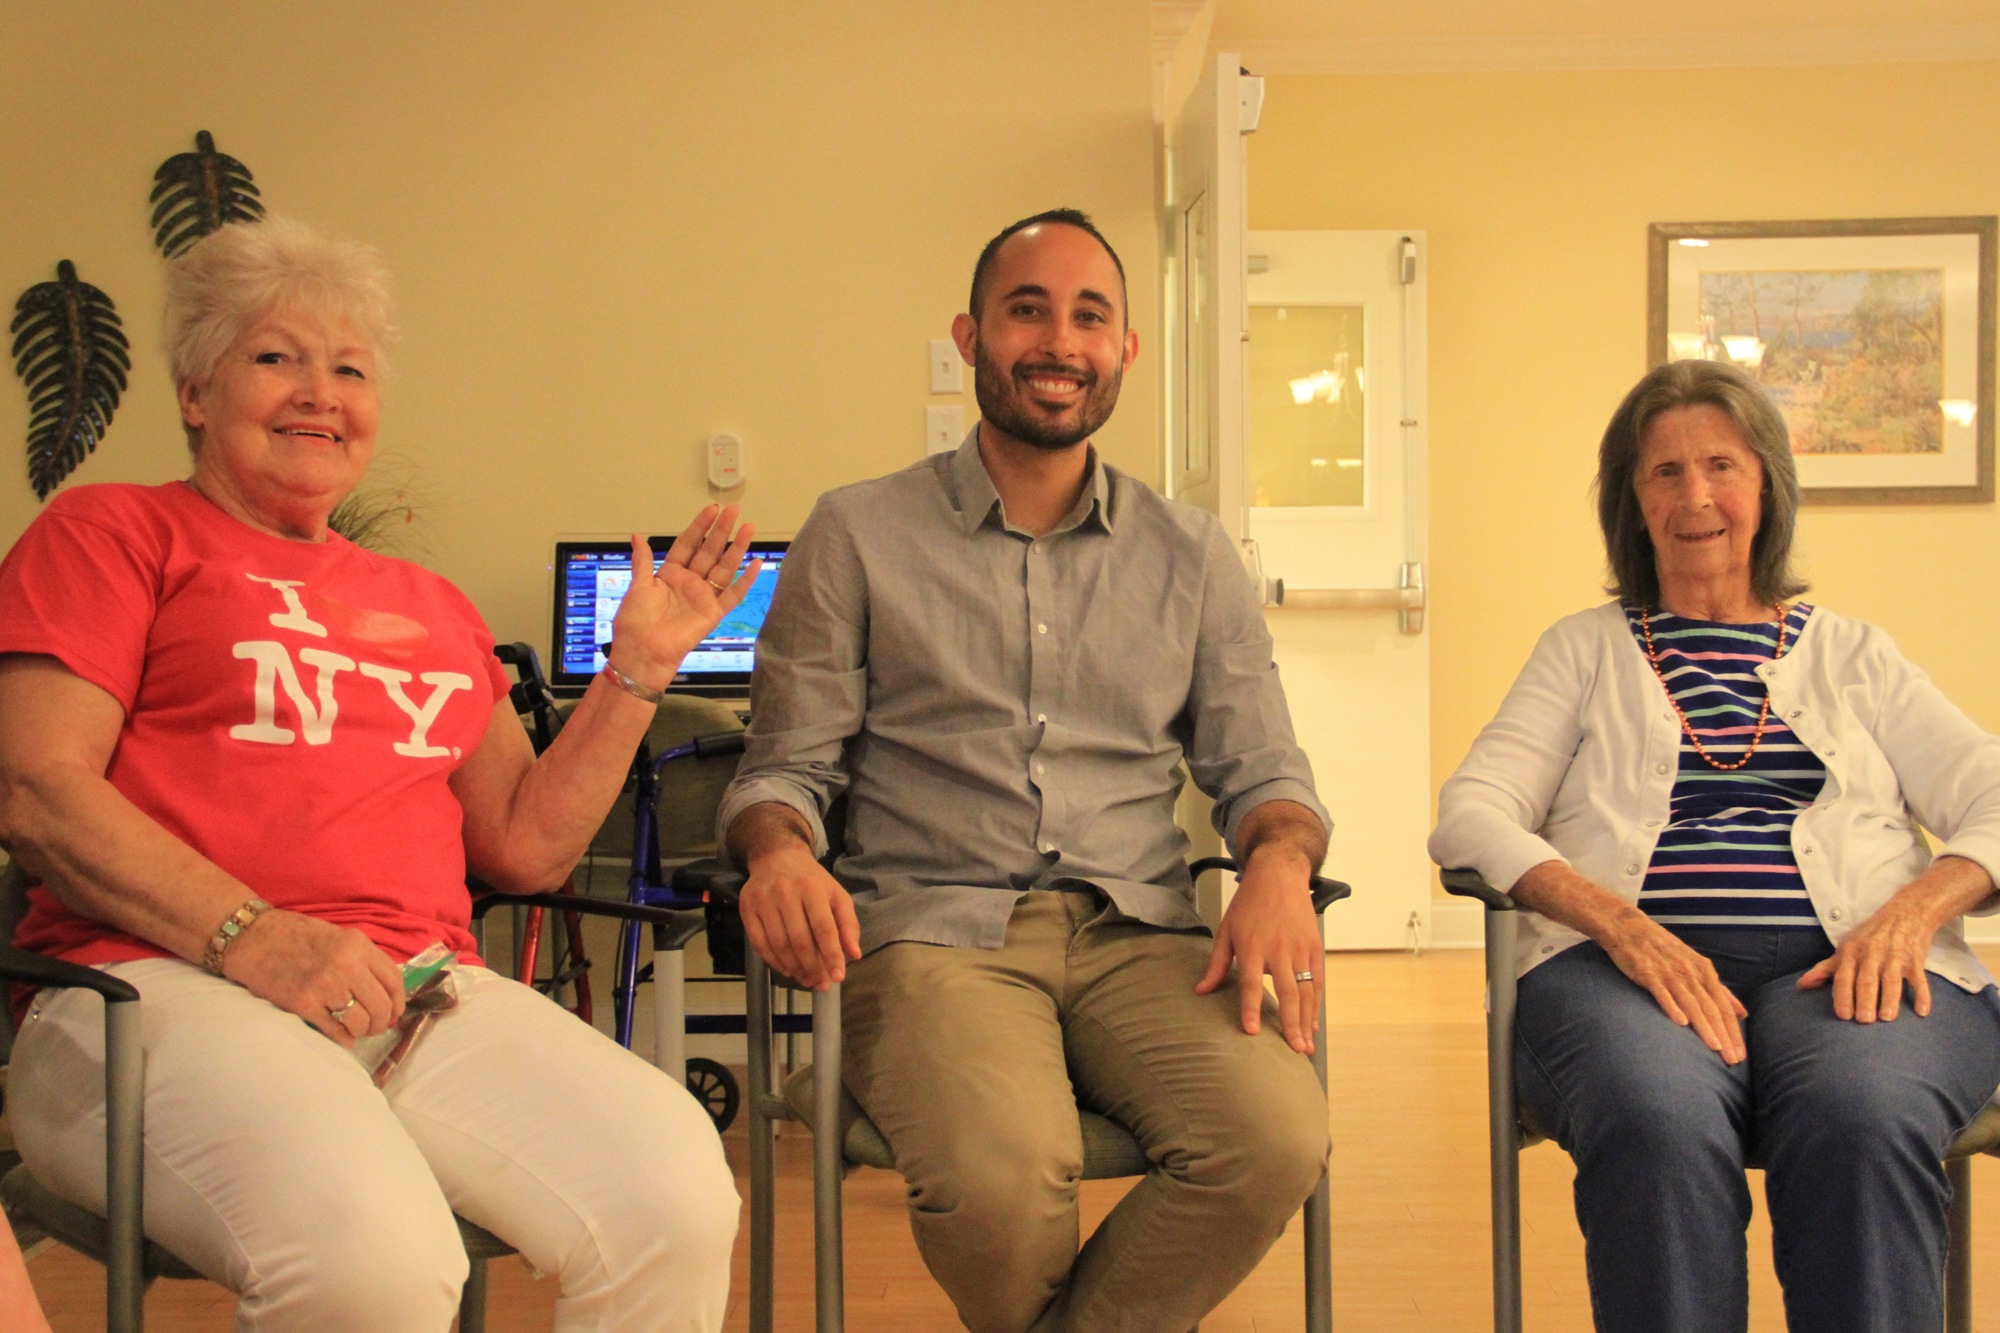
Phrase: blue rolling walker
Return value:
(711, 1082)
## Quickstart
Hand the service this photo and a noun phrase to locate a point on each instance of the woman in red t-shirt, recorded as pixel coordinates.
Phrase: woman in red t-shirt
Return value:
(249, 765)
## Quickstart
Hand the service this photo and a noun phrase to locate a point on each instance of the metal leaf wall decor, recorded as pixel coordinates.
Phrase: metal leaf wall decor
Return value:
(194, 193)
(70, 352)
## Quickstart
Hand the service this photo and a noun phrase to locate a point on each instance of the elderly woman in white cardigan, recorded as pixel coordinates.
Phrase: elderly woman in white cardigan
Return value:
(1707, 796)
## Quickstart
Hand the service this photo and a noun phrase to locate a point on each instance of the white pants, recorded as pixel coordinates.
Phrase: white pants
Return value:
(275, 1167)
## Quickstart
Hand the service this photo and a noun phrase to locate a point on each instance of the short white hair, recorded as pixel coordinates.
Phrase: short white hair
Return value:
(237, 274)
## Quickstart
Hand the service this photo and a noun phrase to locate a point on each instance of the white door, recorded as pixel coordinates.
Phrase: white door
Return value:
(1334, 496)
(1358, 684)
(1203, 225)
(1205, 222)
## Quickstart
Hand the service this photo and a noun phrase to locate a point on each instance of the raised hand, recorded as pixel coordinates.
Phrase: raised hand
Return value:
(666, 613)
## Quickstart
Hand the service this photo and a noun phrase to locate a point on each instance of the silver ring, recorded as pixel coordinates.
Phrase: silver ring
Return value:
(1302, 976)
(340, 1015)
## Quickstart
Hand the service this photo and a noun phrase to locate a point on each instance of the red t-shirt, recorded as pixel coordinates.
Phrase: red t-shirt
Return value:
(293, 710)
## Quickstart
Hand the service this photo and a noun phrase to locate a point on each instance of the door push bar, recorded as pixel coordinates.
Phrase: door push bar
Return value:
(1407, 598)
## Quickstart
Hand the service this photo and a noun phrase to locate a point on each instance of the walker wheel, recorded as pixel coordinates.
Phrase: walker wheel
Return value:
(715, 1088)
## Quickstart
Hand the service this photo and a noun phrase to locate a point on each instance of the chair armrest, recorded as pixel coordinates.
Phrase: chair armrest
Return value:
(719, 744)
(1326, 892)
(1468, 884)
(35, 970)
(711, 877)
(676, 925)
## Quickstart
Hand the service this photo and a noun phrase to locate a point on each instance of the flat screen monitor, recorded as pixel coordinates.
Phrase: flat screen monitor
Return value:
(590, 581)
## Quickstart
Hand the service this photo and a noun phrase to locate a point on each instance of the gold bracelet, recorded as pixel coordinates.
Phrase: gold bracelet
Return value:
(228, 932)
(633, 687)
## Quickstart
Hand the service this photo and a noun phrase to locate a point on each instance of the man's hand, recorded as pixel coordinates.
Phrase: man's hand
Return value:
(1270, 928)
(795, 915)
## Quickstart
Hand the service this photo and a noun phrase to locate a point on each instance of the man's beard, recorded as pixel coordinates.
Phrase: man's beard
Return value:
(1000, 396)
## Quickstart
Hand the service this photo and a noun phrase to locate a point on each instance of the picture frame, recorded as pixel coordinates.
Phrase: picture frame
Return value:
(1874, 335)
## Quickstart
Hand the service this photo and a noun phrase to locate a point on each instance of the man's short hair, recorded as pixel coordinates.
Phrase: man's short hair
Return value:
(1068, 217)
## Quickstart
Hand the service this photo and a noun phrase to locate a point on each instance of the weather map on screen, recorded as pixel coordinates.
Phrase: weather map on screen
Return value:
(591, 579)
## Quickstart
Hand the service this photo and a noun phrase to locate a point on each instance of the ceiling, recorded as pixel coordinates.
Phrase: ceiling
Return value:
(1334, 35)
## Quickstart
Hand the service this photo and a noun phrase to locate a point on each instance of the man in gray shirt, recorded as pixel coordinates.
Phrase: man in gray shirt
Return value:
(1003, 656)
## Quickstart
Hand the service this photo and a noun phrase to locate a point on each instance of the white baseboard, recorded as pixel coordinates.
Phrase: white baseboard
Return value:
(1982, 930)
(1457, 923)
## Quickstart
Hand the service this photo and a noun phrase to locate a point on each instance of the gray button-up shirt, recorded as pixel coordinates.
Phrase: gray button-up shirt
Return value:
(1009, 712)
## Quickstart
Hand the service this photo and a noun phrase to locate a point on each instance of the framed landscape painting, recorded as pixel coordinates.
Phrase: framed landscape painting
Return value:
(1875, 337)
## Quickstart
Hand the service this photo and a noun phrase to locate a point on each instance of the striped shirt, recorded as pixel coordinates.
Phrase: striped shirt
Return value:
(1725, 857)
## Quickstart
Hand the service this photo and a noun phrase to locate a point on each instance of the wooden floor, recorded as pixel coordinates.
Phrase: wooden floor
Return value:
(1409, 1203)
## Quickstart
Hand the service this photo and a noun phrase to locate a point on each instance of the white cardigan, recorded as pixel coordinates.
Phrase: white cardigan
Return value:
(1579, 766)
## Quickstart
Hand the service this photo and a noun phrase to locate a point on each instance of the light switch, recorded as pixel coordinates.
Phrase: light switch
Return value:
(944, 428)
(947, 367)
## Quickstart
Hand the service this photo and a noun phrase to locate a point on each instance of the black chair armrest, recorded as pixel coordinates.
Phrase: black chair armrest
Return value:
(1468, 884)
(719, 744)
(711, 877)
(35, 970)
(1326, 892)
(673, 926)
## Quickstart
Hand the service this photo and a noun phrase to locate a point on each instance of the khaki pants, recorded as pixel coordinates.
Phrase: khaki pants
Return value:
(972, 1062)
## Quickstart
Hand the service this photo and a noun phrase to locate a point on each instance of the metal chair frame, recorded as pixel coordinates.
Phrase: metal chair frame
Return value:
(117, 1238)
(537, 704)
(816, 1102)
(1508, 1132)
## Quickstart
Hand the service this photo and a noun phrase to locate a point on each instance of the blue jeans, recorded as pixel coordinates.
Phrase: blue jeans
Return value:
(1850, 1121)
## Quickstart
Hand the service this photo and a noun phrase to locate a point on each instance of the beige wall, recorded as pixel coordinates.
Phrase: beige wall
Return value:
(1536, 191)
(616, 227)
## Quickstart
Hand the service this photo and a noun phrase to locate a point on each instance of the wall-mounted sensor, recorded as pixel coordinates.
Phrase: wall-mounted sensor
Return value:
(725, 461)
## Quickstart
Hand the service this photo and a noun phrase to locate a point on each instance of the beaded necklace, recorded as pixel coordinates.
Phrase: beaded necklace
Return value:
(1763, 714)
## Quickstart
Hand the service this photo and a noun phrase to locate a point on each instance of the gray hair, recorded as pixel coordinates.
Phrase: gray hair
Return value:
(1628, 548)
(237, 274)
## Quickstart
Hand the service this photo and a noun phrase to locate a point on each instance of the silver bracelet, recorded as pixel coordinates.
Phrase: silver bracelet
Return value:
(633, 687)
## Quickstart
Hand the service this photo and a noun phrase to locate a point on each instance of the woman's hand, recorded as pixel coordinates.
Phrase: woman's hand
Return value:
(665, 614)
(528, 819)
(1684, 983)
(1870, 967)
(331, 976)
